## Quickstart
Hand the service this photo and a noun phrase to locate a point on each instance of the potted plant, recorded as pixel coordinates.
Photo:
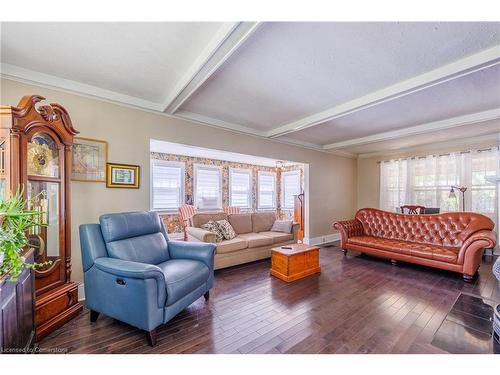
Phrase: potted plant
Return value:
(15, 221)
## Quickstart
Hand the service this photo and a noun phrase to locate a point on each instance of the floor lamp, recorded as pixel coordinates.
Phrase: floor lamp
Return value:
(462, 189)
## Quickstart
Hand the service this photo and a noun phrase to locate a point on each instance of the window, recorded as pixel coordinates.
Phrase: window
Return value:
(267, 190)
(427, 181)
(207, 187)
(167, 185)
(484, 166)
(290, 186)
(240, 191)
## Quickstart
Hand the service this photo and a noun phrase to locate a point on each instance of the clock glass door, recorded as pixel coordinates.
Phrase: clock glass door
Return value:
(43, 191)
(43, 196)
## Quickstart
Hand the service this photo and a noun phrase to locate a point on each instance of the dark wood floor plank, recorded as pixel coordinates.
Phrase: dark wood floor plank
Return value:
(358, 304)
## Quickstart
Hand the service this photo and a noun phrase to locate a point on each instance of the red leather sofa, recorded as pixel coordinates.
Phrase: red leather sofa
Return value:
(453, 241)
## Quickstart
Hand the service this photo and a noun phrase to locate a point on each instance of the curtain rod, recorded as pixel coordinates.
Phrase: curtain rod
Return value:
(437, 155)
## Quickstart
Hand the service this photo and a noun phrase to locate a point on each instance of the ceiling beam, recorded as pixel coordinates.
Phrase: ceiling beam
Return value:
(237, 128)
(453, 122)
(460, 68)
(227, 40)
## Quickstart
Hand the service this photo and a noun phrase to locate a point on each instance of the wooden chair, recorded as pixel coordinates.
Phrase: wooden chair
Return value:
(413, 209)
(186, 212)
(231, 210)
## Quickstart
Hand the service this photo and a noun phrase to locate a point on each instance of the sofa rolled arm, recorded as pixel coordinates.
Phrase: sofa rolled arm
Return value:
(474, 245)
(347, 229)
(200, 251)
(201, 235)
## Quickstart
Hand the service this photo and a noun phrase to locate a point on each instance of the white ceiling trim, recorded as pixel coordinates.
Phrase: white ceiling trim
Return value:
(205, 120)
(467, 65)
(223, 45)
(32, 77)
(453, 122)
(218, 123)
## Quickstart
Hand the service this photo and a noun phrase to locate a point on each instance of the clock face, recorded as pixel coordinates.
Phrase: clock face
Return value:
(43, 156)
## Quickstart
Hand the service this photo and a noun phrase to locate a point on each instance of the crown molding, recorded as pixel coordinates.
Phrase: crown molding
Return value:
(450, 123)
(17, 73)
(473, 63)
(229, 38)
(491, 139)
(218, 123)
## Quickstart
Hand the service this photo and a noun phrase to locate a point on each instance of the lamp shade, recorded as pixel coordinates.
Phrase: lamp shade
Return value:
(452, 194)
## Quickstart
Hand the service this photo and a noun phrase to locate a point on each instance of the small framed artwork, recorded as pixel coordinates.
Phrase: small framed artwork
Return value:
(122, 176)
(89, 160)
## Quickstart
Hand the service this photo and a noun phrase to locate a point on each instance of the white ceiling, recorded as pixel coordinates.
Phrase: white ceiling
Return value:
(337, 87)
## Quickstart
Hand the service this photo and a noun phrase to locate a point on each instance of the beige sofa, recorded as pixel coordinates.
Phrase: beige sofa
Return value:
(253, 240)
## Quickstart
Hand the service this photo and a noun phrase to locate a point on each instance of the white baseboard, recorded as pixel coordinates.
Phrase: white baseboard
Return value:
(81, 293)
(322, 240)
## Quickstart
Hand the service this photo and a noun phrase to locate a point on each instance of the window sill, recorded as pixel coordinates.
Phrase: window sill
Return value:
(166, 212)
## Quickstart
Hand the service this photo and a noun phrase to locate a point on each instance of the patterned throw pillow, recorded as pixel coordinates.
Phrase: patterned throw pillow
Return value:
(213, 227)
(226, 229)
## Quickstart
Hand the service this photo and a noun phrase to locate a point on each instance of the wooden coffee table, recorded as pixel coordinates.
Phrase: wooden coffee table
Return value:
(295, 263)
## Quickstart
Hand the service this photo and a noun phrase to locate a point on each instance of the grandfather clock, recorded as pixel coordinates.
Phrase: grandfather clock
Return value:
(36, 142)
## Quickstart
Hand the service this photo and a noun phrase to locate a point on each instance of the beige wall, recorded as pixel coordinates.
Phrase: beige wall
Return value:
(332, 179)
(368, 168)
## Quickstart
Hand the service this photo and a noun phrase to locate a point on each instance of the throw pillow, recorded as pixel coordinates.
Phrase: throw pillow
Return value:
(213, 227)
(284, 226)
(226, 229)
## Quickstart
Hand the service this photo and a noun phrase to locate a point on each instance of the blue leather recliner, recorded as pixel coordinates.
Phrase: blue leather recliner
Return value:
(134, 273)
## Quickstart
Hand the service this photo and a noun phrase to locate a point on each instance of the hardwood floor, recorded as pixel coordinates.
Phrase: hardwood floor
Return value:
(358, 304)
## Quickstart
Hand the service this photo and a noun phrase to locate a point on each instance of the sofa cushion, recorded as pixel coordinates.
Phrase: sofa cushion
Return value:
(228, 246)
(182, 276)
(278, 236)
(262, 221)
(284, 226)
(443, 254)
(214, 228)
(256, 239)
(202, 218)
(241, 223)
(226, 229)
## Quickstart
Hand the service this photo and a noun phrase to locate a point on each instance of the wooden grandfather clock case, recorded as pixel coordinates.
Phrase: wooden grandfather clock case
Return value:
(36, 141)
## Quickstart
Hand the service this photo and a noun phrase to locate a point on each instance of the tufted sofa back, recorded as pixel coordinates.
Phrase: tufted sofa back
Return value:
(448, 229)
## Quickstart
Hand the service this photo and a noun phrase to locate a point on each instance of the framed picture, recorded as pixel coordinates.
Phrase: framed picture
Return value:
(89, 160)
(122, 176)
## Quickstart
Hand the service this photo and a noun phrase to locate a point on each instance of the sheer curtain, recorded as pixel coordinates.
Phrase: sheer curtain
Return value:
(427, 180)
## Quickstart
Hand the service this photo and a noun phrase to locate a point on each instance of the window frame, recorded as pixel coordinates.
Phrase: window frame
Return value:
(247, 171)
(197, 166)
(266, 173)
(283, 174)
(182, 192)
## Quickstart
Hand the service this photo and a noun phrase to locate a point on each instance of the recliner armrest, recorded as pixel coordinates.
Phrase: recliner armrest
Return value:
(201, 251)
(128, 269)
